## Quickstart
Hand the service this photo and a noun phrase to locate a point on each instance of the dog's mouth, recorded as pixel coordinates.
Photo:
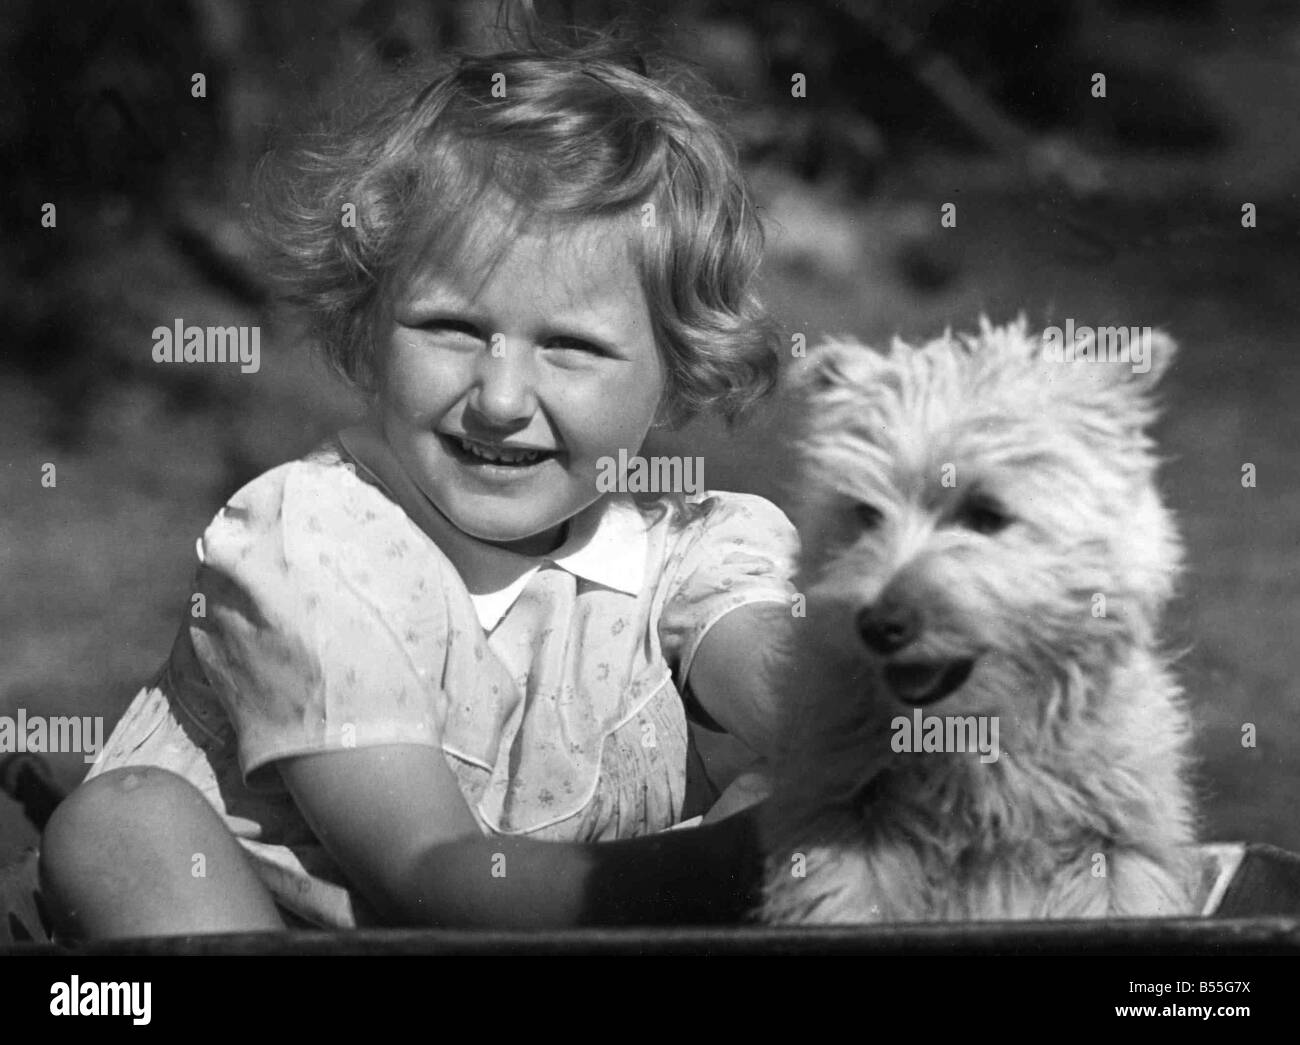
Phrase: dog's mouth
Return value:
(924, 682)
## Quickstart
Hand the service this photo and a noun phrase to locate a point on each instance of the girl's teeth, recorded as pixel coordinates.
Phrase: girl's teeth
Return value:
(501, 456)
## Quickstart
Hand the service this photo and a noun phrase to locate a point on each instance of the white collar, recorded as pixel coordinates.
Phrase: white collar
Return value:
(606, 544)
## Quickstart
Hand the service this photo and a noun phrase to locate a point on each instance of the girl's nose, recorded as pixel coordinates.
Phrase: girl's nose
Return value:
(504, 385)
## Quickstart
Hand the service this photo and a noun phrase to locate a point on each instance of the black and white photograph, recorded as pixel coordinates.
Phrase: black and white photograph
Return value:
(605, 478)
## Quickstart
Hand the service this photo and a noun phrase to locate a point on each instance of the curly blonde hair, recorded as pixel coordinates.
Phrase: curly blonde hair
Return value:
(569, 136)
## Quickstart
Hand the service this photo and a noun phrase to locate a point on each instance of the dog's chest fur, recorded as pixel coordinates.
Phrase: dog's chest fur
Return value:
(1099, 826)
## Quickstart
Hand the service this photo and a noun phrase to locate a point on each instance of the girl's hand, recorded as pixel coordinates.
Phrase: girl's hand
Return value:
(749, 788)
(702, 876)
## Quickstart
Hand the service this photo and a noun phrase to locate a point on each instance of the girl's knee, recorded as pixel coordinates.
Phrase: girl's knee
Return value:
(118, 797)
(110, 812)
(128, 854)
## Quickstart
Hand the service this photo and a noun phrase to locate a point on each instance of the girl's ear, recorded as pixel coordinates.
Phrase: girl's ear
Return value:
(664, 414)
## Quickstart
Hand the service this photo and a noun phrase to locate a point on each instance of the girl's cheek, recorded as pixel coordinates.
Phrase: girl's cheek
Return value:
(416, 382)
(621, 432)
(602, 419)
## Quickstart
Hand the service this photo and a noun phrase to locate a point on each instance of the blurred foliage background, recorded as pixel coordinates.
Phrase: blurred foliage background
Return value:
(1120, 210)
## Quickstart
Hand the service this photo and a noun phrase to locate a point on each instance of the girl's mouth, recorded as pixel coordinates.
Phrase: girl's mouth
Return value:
(473, 453)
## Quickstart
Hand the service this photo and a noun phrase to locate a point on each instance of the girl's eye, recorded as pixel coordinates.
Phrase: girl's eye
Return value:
(445, 326)
(576, 344)
(869, 517)
(983, 515)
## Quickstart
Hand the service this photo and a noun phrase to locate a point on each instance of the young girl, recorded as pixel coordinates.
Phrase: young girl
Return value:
(421, 657)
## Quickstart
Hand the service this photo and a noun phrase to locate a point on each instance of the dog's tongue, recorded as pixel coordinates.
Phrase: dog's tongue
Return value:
(927, 681)
(912, 679)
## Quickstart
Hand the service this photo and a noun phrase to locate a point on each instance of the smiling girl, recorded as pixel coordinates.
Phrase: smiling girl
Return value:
(435, 664)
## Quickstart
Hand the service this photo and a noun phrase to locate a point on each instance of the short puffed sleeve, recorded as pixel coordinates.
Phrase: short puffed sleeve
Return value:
(731, 550)
(325, 618)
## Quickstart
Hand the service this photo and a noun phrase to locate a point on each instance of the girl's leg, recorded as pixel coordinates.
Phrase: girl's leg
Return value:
(139, 851)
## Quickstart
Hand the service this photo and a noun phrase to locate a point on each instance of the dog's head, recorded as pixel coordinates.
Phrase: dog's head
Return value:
(979, 515)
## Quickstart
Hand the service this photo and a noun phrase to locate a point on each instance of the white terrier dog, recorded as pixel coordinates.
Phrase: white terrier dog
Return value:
(984, 540)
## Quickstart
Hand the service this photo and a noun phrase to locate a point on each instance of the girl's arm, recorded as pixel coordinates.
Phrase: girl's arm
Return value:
(394, 819)
(731, 679)
(732, 674)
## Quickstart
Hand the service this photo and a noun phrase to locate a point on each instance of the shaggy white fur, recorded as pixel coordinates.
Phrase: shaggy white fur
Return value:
(983, 537)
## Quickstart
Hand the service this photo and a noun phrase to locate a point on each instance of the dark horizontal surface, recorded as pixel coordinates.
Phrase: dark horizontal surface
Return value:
(1199, 936)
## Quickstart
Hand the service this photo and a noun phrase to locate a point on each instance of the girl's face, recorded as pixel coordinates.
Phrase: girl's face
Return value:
(500, 396)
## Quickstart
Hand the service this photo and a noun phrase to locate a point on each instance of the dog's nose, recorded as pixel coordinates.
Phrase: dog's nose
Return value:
(887, 628)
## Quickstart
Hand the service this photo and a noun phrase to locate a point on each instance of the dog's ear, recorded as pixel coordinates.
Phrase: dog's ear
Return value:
(836, 363)
(1151, 360)
(1147, 356)
(1123, 387)
(1150, 356)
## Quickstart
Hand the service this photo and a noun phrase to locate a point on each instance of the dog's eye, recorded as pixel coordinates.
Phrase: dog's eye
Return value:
(984, 516)
(867, 515)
